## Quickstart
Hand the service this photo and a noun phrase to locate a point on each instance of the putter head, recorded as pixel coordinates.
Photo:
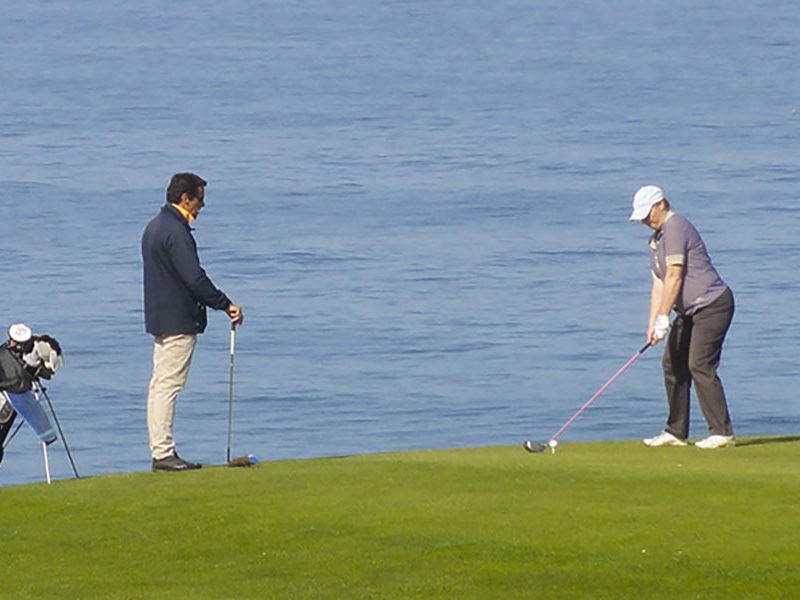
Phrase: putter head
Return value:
(533, 446)
(243, 461)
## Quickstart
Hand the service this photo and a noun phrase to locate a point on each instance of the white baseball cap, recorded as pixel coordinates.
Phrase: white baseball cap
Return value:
(644, 199)
(20, 333)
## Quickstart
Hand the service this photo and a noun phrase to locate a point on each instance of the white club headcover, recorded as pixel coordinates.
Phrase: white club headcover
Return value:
(54, 360)
(19, 332)
(43, 354)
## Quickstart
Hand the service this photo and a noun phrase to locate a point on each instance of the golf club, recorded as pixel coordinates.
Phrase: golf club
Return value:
(239, 461)
(534, 446)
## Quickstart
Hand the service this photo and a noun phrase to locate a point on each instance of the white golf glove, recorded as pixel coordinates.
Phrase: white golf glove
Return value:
(661, 326)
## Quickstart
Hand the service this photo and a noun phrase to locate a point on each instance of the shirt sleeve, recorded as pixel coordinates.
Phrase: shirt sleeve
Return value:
(676, 243)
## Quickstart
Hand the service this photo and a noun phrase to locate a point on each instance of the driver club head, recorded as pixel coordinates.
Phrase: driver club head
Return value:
(533, 446)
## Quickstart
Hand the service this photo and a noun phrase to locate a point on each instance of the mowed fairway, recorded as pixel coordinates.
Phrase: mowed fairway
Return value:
(595, 520)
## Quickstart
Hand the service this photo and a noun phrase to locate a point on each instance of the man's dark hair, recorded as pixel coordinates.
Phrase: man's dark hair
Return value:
(184, 183)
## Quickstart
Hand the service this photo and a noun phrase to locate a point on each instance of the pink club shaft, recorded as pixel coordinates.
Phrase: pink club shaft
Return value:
(588, 403)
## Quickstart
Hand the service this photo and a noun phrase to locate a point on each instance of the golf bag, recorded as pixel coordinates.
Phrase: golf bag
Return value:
(21, 366)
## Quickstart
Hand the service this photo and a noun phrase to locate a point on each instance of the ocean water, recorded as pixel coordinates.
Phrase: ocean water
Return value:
(421, 206)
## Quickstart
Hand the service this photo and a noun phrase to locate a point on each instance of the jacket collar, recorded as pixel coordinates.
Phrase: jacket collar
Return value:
(175, 214)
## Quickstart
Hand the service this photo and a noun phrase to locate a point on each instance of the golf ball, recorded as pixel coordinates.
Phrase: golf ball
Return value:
(552, 443)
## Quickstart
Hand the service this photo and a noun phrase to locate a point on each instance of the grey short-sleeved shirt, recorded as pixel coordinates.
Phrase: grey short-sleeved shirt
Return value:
(679, 243)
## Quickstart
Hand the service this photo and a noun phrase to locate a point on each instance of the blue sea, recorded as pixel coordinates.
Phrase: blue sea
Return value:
(422, 207)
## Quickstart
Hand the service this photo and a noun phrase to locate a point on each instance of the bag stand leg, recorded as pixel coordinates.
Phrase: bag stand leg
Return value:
(46, 463)
(39, 388)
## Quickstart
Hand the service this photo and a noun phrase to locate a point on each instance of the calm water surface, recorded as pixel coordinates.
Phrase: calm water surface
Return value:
(422, 207)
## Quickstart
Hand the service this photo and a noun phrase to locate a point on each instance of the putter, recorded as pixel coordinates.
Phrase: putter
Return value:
(239, 461)
(535, 447)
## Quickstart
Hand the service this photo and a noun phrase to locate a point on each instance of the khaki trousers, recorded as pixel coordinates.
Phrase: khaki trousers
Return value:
(172, 357)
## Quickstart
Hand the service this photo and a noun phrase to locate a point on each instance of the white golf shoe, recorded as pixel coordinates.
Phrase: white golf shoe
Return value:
(716, 441)
(664, 439)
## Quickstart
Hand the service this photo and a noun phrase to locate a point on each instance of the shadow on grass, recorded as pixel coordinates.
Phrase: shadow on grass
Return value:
(759, 441)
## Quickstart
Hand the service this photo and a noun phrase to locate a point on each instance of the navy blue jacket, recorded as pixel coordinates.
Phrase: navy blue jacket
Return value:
(176, 288)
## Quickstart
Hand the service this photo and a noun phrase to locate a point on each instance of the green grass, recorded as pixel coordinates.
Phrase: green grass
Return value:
(597, 520)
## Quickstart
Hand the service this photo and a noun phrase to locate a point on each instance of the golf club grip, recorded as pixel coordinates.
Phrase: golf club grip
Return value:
(605, 386)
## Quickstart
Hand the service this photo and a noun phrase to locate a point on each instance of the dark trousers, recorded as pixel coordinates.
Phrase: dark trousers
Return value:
(692, 355)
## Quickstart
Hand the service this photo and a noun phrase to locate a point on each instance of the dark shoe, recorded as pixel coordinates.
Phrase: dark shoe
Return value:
(174, 463)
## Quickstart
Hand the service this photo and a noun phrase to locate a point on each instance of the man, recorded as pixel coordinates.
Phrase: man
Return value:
(176, 294)
(685, 280)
